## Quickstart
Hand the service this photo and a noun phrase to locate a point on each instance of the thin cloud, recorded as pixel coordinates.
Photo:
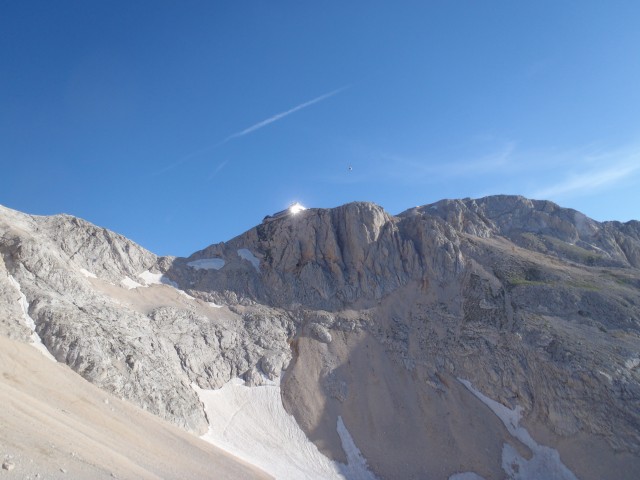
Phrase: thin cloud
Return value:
(599, 171)
(430, 169)
(251, 129)
(586, 182)
(435, 170)
(483, 165)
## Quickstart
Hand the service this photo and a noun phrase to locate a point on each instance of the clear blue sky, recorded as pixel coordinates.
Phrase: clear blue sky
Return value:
(181, 124)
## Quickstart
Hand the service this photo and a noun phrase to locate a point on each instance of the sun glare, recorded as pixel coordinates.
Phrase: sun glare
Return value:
(296, 207)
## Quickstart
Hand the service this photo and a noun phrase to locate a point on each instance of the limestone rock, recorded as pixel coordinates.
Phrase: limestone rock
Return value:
(534, 304)
(320, 333)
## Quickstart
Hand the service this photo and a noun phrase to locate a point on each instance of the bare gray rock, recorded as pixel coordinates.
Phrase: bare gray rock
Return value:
(146, 344)
(536, 304)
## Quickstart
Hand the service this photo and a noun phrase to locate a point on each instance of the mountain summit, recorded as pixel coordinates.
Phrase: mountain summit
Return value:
(497, 337)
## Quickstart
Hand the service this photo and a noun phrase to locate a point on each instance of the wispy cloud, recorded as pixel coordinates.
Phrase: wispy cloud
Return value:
(599, 172)
(497, 160)
(551, 173)
(433, 167)
(251, 129)
(371, 166)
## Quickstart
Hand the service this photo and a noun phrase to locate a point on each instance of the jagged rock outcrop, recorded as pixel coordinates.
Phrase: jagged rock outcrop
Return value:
(145, 344)
(374, 318)
(537, 304)
(352, 255)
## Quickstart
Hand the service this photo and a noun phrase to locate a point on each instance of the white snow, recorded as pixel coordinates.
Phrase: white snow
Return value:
(36, 341)
(156, 279)
(214, 305)
(207, 264)
(87, 273)
(632, 363)
(510, 418)
(152, 279)
(606, 375)
(356, 468)
(127, 282)
(250, 257)
(545, 462)
(251, 423)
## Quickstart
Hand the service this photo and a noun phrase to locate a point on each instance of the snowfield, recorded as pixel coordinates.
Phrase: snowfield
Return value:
(356, 468)
(36, 341)
(156, 279)
(249, 257)
(252, 424)
(207, 264)
(545, 462)
(130, 284)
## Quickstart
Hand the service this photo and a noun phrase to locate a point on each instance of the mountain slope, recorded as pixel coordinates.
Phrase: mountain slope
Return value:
(57, 425)
(391, 327)
(535, 304)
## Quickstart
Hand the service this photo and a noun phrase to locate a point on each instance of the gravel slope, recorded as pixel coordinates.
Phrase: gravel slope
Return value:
(57, 425)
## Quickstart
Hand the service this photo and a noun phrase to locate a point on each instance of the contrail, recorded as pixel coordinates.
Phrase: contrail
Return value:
(253, 128)
(218, 168)
(279, 116)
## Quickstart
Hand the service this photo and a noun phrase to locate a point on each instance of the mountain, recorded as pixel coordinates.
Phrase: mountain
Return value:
(487, 338)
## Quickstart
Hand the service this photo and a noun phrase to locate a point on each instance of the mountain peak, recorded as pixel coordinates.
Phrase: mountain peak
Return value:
(384, 323)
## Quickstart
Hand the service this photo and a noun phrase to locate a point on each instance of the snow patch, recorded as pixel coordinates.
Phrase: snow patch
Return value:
(153, 279)
(250, 257)
(356, 468)
(36, 341)
(87, 273)
(545, 462)
(252, 424)
(185, 294)
(127, 282)
(214, 305)
(207, 264)
(632, 363)
(510, 418)
(156, 279)
(606, 375)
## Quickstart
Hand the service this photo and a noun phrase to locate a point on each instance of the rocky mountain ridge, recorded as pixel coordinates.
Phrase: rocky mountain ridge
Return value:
(536, 304)
(360, 252)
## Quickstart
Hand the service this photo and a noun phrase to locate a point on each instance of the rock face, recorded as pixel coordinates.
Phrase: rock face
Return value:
(145, 344)
(375, 320)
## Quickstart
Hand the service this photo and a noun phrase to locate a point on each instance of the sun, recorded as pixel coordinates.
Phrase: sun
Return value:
(296, 208)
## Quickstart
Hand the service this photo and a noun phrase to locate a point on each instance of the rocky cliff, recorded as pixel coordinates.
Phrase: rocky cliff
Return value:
(389, 324)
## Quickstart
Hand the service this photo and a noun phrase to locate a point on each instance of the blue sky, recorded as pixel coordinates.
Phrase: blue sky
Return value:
(181, 124)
